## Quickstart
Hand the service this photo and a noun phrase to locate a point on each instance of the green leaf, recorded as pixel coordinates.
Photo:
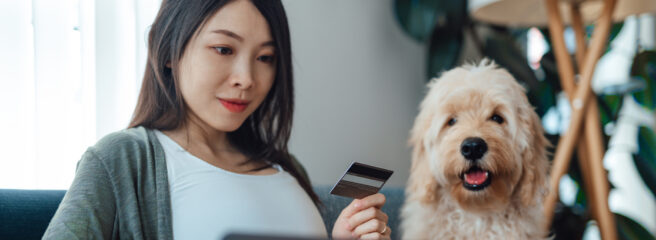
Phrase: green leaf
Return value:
(627, 229)
(609, 108)
(644, 68)
(419, 18)
(645, 160)
(614, 31)
(443, 52)
(581, 199)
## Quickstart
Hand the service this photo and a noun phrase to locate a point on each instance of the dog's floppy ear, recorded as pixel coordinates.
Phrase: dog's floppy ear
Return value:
(421, 184)
(532, 185)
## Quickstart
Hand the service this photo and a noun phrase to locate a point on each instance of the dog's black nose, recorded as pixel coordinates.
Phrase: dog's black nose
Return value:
(473, 148)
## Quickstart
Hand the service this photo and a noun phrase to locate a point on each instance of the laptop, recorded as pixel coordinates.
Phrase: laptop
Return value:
(251, 236)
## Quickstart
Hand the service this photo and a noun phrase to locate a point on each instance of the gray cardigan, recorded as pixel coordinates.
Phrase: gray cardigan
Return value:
(120, 191)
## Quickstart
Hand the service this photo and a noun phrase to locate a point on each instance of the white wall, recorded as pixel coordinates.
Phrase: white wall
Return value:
(359, 81)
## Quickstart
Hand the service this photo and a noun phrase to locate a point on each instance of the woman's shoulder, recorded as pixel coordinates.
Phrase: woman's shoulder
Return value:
(125, 137)
(128, 143)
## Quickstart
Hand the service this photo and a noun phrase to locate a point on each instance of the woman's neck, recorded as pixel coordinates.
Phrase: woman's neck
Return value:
(213, 147)
(197, 137)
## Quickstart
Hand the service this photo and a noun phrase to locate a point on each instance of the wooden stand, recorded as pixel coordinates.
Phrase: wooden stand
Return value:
(584, 108)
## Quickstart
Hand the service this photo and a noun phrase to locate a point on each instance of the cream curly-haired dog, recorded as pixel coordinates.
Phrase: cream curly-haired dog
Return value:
(479, 162)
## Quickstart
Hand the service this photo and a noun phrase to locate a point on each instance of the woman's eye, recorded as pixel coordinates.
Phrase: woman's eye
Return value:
(451, 122)
(223, 50)
(497, 118)
(266, 58)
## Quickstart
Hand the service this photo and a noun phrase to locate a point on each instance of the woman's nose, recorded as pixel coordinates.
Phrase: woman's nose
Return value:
(242, 76)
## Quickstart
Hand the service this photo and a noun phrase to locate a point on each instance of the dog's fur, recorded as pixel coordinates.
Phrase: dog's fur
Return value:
(437, 205)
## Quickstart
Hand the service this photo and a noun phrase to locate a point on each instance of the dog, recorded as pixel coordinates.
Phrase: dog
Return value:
(479, 160)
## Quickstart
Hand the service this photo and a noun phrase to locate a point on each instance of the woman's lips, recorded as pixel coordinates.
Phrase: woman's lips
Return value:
(234, 105)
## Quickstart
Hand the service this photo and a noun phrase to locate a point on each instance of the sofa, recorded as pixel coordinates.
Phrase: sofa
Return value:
(25, 214)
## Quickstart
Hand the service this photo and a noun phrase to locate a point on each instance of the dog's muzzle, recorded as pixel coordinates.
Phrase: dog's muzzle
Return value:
(475, 178)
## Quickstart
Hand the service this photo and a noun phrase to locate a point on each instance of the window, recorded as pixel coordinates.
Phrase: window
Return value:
(70, 73)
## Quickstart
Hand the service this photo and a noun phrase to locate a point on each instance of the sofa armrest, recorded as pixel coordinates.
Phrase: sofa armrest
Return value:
(25, 214)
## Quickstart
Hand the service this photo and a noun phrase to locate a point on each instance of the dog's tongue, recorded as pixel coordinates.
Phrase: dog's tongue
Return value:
(475, 177)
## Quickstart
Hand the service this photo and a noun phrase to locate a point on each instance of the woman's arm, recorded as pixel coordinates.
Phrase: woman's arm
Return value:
(88, 209)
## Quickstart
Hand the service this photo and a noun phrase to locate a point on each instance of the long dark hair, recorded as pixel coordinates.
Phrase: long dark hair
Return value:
(264, 134)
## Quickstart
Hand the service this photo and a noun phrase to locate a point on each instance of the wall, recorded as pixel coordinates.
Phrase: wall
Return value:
(359, 81)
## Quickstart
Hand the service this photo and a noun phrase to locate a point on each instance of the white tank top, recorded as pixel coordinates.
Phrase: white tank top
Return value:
(208, 202)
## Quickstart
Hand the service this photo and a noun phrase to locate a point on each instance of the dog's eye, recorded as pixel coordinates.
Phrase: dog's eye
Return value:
(451, 122)
(497, 118)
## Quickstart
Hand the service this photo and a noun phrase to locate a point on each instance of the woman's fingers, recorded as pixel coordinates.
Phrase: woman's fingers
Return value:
(373, 229)
(367, 215)
(376, 200)
(375, 236)
(372, 236)
(364, 215)
(372, 226)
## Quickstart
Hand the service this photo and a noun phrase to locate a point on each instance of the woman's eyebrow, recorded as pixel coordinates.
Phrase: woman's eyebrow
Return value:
(239, 38)
(229, 34)
(268, 44)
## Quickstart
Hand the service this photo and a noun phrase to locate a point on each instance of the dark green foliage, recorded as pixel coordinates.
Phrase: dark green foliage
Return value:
(645, 160)
(644, 69)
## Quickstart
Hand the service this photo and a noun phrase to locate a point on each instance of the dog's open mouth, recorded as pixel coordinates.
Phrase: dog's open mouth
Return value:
(476, 179)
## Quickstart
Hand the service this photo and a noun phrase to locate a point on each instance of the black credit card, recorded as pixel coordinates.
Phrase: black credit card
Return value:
(361, 180)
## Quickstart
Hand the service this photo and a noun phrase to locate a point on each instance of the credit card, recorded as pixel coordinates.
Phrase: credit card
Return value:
(361, 180)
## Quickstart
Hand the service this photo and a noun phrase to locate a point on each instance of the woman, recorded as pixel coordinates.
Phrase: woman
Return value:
(206, 152)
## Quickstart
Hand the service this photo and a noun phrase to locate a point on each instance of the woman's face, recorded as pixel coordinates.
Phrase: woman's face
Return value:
(228, 67)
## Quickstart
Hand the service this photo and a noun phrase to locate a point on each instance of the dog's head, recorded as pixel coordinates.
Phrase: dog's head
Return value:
(478, 139)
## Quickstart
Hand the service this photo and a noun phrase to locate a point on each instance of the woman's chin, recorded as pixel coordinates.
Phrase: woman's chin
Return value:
(232, 129)
(227, 126)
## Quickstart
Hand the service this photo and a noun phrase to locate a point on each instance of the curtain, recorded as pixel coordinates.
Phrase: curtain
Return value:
(70, 73)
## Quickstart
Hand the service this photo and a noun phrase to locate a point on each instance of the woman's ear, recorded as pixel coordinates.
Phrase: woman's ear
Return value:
(168, 64)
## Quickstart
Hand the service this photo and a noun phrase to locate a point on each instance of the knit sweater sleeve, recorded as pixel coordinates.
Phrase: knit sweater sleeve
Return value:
(88, 210)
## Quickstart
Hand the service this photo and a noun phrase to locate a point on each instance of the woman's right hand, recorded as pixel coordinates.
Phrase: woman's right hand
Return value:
(363, 219)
